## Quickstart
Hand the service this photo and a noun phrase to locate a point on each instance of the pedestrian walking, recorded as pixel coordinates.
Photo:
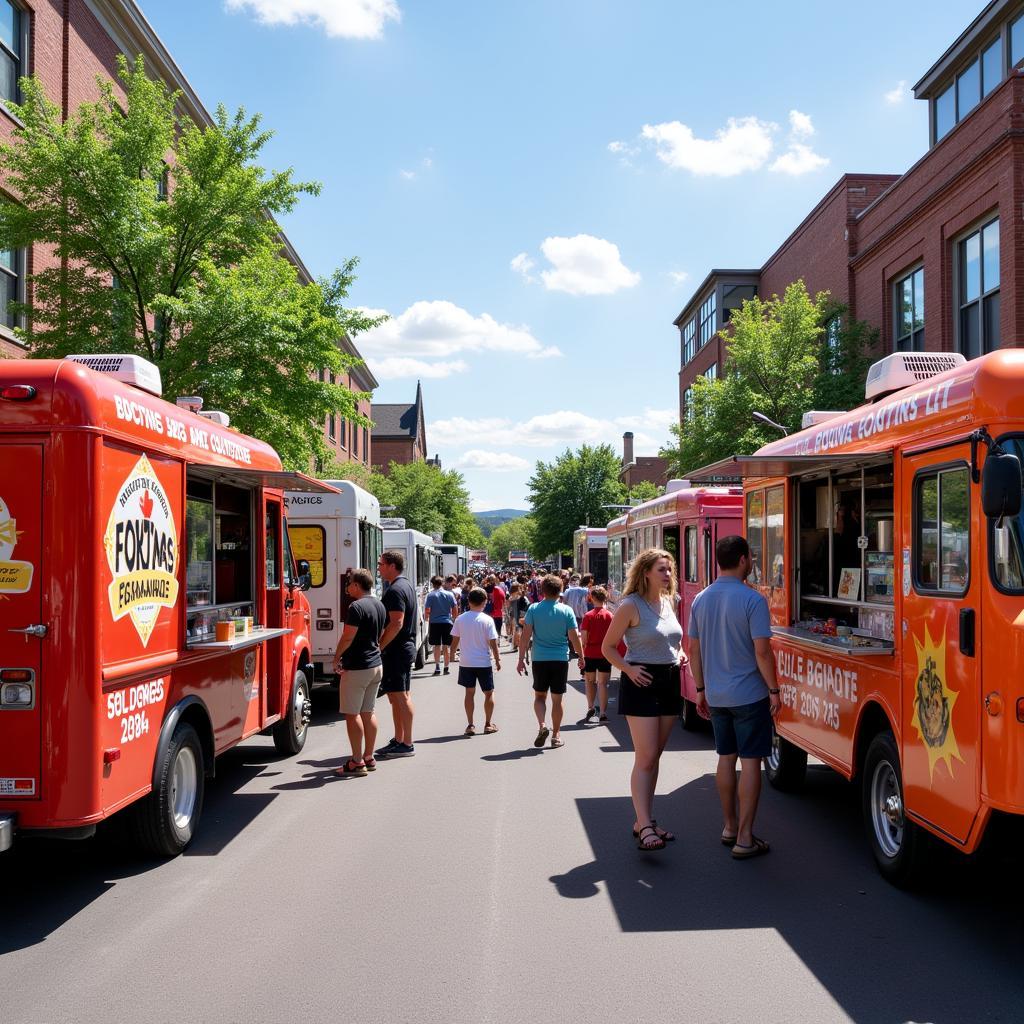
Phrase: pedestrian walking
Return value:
(649, 689)
(398, 652)
(519, 603)
(734, 672)
(596, 669)
(439, 610)
(551, 627)
(496, 593)
(474, 634)
(357, 662)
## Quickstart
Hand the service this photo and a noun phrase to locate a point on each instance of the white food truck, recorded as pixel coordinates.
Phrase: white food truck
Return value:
(422, 560)
(336, 533)
(453, 559)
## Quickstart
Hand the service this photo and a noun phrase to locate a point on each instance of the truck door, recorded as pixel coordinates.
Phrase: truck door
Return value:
(940, 638)
(21, 620)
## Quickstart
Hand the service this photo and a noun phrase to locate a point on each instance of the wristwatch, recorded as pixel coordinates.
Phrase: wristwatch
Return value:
(773, 692)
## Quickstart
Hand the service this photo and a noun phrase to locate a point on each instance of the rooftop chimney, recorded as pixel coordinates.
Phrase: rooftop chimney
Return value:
(627, 447)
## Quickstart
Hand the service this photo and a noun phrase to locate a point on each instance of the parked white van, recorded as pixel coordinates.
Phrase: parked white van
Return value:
(336, 534)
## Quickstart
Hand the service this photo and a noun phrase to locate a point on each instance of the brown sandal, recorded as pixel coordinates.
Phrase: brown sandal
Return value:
(644, 842)
(490, 727)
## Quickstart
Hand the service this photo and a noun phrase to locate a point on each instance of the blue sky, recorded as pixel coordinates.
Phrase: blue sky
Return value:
(534, 189)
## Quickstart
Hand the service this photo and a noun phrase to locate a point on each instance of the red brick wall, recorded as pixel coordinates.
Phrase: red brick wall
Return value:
(386, 451)
(651, 468)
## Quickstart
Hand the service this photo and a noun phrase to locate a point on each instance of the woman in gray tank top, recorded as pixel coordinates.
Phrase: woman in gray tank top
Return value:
(649, 688)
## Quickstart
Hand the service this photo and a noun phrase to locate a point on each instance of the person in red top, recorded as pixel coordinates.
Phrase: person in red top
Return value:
(496, 593)
(596, 670)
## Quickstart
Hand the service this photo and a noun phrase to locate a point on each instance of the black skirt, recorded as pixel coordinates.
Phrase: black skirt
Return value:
(662, 697)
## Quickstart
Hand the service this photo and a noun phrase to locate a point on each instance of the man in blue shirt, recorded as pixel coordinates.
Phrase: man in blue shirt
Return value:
(732, 665)
(552, 628)
(438, 610)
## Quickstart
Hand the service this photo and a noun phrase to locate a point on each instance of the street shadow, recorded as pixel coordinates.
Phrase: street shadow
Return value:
(950, 952)
(514, 755)
(448, 739)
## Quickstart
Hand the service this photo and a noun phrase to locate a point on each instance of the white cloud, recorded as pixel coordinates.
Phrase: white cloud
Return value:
(408, 175)
(800, 125)
(799, 159)
(395, 367)
(897, 95)
(679, 276)
(346, 19)
(617, 147)
(582, 265)
(491, 462)
(441, 330)
(522, 264)
(744, 144)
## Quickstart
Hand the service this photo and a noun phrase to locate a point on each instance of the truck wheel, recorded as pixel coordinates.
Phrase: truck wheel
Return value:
(290, 733)
(166, 820)
(786, 765)
(688, 717)
(898, 844)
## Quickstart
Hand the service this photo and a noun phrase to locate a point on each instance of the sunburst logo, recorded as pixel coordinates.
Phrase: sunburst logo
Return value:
(933, 704)
(15, 576)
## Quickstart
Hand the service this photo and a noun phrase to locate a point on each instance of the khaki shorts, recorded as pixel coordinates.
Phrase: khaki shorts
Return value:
(358, 690)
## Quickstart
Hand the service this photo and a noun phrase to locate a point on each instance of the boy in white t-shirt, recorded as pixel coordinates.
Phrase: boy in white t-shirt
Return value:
(474, 632)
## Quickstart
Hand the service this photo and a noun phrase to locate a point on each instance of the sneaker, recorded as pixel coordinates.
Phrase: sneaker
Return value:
(603, 718)
(445, 672)
(437, 670)
(587, 718)
(401, 750)
(385, 751)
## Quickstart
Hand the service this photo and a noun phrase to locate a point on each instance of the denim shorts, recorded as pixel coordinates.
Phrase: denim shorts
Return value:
(745, 730)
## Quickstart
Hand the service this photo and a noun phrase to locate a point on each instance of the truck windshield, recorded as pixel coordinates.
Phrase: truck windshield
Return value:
(1007, 541)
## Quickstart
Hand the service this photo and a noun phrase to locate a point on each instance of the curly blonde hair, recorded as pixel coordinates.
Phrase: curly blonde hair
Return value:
(636, 581)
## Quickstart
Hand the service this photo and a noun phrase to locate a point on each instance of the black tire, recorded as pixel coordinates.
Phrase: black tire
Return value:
(166, 821)
(898, 845)
(290, 733)
(786, 765)
(688, 717)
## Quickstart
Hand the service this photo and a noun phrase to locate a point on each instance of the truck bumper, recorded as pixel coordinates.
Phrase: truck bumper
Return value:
(6, 831)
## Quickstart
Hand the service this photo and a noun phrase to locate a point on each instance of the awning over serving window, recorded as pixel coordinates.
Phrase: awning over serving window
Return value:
(739, 467)
(281, 479)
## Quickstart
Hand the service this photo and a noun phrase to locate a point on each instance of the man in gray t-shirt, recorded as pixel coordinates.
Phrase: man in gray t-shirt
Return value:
(732, 665)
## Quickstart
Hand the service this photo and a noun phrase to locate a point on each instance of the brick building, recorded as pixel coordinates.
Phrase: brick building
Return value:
(650, 468)
(922, 255)
(399, 433)
(66, 44)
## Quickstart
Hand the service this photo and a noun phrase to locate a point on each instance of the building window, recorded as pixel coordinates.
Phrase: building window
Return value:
(688, 404)
(12, 49)
(343, 434)
(711, 373)
(332, 432)
(978, 290)
(909, 307)
(12, 284)
(366, 446)
(733, 297)
(689, 339)
(968, 90)
(991, 66)
(163, 184)
(945, 113)
(1017, 41)
(707, 319)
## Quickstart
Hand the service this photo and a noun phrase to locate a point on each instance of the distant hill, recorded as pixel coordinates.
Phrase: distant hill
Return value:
(490, 521)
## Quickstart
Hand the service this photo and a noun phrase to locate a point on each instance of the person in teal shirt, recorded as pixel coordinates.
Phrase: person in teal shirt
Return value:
(552, 628)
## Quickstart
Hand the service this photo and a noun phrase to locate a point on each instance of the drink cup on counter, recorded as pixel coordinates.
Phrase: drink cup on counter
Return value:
(225, 630)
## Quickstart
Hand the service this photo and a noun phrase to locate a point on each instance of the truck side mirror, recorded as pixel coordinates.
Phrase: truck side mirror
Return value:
(305, 579)
(1001, 485)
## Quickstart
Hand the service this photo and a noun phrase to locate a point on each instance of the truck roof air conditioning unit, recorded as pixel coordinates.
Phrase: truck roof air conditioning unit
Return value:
(192, 403)
(214, 416)
(134, 370)
(677, 485)
(902, 369)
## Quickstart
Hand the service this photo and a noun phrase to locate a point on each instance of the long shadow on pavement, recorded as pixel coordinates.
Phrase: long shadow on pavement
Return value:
(949, 953)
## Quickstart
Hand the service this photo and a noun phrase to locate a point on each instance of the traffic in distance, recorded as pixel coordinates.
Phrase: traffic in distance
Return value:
(887, 542)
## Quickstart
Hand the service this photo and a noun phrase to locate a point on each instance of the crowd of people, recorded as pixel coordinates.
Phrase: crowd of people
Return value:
(550, 621)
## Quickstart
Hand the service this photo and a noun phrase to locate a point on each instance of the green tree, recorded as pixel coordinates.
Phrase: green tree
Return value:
(187, 272)
(429, 499)
(515, 535)
(572, 491)
(786, 355)
(641, 491)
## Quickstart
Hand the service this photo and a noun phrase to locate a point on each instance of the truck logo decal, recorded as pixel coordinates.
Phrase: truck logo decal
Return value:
(15, 577)
(933, 704)
(142, 551)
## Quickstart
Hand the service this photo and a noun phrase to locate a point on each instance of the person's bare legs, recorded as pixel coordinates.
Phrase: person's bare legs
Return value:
(446, 650)
(646, 736)
(437, 655)
(354, 725)
(369, 722)
(488, 707)
(402, 710)
(749, 795)
(469, 703)
(725, 780)
(540, 706)
(590, 685)
(556, 714)
(602, 692)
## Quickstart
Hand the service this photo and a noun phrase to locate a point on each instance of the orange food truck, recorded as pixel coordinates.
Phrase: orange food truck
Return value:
(889, 544)
(686, 521)
(151, 616)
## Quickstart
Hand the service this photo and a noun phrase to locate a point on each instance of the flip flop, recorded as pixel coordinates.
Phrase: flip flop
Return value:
(729, 840)
(557, 741)
(470, 730)
(665, 836)
(490, 728)
(758, 849)
(649, 832)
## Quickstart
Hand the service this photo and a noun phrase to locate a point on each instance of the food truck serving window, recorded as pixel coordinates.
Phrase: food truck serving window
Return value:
(766, 533)
(691, 554)
(942, 530)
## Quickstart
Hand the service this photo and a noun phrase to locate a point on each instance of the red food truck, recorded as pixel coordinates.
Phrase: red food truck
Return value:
(151, 615)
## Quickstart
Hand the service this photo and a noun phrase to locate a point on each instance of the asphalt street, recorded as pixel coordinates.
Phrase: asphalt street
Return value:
(485, 880)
